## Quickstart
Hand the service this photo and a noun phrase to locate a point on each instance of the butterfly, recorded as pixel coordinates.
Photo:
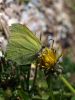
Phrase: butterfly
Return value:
(22, 45)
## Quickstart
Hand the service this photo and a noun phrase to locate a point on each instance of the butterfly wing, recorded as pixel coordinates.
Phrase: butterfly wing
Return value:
(23, 45)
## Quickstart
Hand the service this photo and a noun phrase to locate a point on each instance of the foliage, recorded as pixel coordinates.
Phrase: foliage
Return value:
(68, 65)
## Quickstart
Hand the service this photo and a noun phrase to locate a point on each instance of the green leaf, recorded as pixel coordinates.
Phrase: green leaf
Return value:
(36, 98)
(1, 98)
(45, 95)
(73, 98)
(23, 95)
(23, 45)
(41, 81)
(1, 94)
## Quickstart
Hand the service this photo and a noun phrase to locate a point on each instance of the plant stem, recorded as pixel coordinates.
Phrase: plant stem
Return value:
(67, 84)
(2, 65)
(49, 82)
(34, 77)
(51, 92)
(28, 76)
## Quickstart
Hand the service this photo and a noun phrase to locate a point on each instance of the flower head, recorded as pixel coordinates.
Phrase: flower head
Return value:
(48, 58)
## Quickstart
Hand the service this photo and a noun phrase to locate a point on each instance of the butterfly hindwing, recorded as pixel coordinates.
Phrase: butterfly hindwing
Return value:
(23, 45)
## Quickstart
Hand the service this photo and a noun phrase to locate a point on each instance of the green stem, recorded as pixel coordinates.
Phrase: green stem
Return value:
(67, 84)
(51, 92)
(49, 82)
(28, 76)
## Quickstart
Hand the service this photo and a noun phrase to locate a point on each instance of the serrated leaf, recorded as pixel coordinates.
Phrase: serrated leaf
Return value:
(23, 45)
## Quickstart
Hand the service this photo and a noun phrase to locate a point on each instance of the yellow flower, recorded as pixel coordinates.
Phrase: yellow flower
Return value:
(48, 58)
